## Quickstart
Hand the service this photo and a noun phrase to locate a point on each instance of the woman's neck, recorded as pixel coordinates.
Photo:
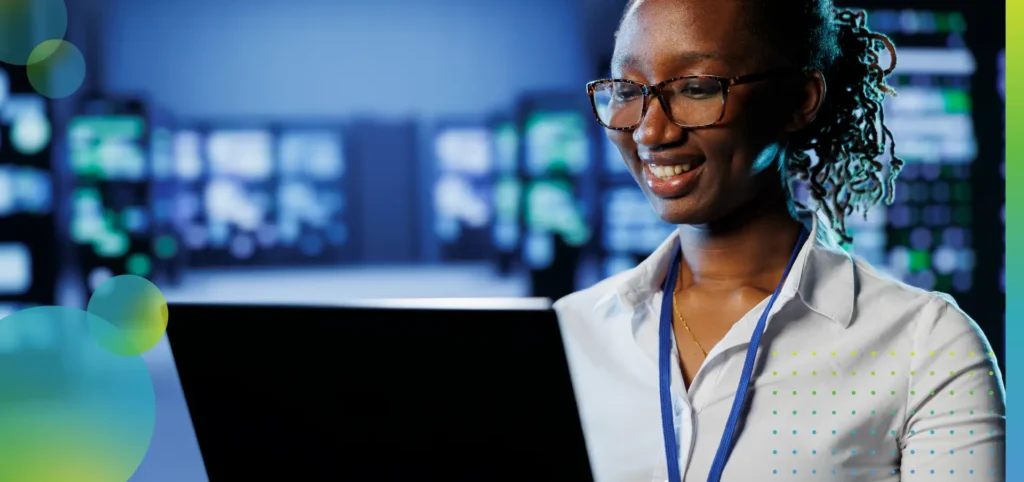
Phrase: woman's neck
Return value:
(748, 251)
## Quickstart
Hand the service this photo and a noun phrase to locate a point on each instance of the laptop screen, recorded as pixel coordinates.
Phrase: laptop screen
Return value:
(386, 392)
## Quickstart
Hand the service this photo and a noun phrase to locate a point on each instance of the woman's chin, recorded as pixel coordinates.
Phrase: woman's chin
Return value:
(679, 211)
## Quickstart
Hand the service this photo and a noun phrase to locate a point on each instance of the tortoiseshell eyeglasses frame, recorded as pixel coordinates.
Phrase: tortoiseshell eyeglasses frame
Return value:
(656, 90)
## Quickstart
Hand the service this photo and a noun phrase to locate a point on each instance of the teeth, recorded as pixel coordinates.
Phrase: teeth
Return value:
(665, 172)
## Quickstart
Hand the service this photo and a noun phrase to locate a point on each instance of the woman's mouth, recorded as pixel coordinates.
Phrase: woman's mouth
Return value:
(672, 180)
(668, 172)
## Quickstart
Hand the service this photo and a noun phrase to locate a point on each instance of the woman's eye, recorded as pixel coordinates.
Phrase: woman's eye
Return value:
(624, 95)
(697, 90)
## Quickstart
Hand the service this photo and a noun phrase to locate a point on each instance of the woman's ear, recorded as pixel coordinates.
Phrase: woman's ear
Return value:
(810, 98)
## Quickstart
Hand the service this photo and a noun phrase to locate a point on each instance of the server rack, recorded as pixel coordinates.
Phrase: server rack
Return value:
(236, 213)
(463, 184)
(508, 191)
(556, 163)
(28, 249)
(112, 223)
(313, 212)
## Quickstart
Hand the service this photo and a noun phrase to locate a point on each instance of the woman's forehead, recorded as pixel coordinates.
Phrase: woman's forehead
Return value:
(680, 34)
(677, 59)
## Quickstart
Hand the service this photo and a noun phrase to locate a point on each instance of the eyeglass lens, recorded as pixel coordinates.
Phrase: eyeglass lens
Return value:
(692, 101)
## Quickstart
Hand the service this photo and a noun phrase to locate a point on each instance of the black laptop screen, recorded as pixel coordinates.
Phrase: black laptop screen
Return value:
(351, 393)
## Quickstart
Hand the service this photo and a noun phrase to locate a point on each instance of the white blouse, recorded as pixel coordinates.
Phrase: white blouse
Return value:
(858, 377)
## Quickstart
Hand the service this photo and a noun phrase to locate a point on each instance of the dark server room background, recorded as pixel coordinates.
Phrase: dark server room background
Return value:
(313, 151)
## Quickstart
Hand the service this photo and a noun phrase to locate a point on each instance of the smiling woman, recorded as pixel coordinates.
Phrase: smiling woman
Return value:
(751, 309)
(843, 128)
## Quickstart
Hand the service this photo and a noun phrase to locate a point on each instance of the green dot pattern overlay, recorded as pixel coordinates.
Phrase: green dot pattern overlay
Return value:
(873, 408)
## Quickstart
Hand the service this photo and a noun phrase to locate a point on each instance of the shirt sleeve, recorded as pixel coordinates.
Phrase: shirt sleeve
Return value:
(956, 405)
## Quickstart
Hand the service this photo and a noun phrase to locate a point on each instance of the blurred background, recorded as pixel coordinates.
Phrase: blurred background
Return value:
(312, 151)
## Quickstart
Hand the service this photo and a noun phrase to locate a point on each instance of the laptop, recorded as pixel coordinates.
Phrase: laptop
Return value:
(390, 390)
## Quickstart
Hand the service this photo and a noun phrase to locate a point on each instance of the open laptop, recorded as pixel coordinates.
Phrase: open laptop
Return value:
(449, 390)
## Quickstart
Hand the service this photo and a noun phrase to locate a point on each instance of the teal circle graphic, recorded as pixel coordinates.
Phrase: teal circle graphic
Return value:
(22, 21)
(70, 410)
(56, 69)
(130, 315)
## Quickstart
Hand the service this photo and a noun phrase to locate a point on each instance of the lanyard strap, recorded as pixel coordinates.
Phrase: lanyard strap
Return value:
(665, 359)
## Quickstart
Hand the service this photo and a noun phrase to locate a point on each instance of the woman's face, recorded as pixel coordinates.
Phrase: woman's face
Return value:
(730, 164)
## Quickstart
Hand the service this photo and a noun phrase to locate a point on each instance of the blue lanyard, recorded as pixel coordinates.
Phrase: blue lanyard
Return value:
(665, 359)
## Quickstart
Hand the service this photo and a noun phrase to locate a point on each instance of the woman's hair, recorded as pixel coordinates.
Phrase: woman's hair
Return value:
(848, 136)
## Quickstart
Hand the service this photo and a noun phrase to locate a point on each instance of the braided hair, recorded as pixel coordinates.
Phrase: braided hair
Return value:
(849, 135)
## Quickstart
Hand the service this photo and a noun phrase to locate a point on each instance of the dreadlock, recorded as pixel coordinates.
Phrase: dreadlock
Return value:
(849, 135)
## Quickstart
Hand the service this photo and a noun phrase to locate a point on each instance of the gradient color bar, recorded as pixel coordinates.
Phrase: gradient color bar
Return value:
(1014, 235)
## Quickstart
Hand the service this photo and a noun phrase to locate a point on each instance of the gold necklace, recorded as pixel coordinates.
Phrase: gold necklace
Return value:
(687, 327)
(675, 309)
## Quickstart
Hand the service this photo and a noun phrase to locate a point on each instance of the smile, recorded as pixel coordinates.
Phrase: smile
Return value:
(671, 181)
(668, 172)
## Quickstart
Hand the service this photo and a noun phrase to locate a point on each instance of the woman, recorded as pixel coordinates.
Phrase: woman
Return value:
(853, 376)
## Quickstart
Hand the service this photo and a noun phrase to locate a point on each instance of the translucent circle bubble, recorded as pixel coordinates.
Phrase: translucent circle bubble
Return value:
(24, 22)
(130, 315)
(56, 69)
(69, 410)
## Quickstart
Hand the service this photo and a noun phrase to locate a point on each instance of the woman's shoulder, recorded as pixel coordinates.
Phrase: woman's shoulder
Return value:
(925, 313)
(603, 292)
(877, 286)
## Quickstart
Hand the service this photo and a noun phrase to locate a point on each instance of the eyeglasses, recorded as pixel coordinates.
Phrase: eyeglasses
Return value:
(689, 101)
